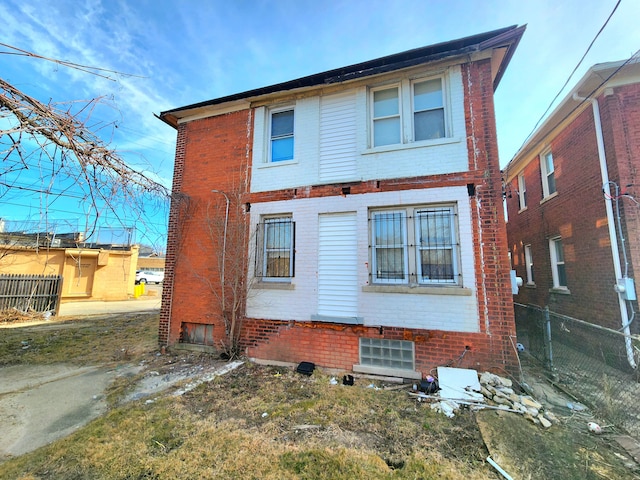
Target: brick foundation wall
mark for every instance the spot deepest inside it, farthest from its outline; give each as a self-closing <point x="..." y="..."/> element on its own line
<point x="337" y="346"/>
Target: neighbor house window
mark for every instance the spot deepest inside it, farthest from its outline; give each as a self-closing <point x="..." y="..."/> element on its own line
<point x="414" y="245"/>
<point x="522" y="192"/>
<point x="428" y="110"/>
<point x="281" y="134"/>
<point x="547" y="171"/>
<point x="275" y="248"/>
<point x="528" y="261"/>
<point x="558" y="271"/>
<point x="386" y="116"/>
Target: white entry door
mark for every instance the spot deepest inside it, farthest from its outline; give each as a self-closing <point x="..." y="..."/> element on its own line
<point x="337" y="266"/>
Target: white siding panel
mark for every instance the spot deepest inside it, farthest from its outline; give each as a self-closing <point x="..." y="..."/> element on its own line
<point x="337" y="265"/>
<point x="338" y="144"/>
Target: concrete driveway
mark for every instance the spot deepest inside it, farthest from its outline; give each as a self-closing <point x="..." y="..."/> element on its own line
<point x="39" y="404"/>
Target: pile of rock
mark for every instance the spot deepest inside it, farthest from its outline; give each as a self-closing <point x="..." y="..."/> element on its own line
<point x="499" y="391"/>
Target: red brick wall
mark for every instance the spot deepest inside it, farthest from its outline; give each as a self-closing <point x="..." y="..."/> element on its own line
<point x="493" y="282"/>
<point x="216" y="151"/>
<point x="620" y="112"/>
<point x="337" y="346"/>
<point x="211" y="153"/>
<point x="578" y="214"/>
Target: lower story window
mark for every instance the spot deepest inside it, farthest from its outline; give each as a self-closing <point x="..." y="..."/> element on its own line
<point x="415" y="244"/>
<point x="377" y="352"/>
<point x="275" y="248"/>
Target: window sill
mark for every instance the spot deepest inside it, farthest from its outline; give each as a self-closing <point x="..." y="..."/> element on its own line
<point x="419" y="289"/>
<point x="530" y="285"/>
<point x="336" y="319"/>
<point x="560" y="290"/>
<point x="387" y="372"/>
<point x="523" y="210"/>
<point x="548" y="197"/>
<point x="273" y="286"/>
<point x="407" y="146"/>
<point x="276" y="164"/>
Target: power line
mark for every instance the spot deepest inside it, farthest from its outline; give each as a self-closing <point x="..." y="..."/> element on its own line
<point x="589" y="95"/>
<point x="570" y="75"/>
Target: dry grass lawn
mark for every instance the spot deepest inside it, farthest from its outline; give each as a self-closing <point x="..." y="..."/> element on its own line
<point x="271" y="423"/>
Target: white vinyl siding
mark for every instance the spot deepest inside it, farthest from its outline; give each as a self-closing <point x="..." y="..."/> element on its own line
<point x="337" y="265"/>
<point x="338" y="138"/>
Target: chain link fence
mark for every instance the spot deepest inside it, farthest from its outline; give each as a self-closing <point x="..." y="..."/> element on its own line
<point x="596" y="365"/>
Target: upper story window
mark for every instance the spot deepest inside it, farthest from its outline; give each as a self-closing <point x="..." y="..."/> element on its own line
<point x="408" y="112"/>
<point x="528" y="261"/>
<point x="386" y="117"/>
<point x="415" y="245"/>
<point x="275" y="248"/>
<point x="281" y="135"/>
<point x="522" y="192"/>
<point x="558" y="271"/>
<point x="428" y="110"/>
<point x="547" y="171"/>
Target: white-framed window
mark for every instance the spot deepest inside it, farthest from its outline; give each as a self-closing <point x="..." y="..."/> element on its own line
<point x="415" y="245"/>
<point x="387" y="128"/>
<point x="409" y="111"/>
<point x="547" y="171"/>
<point x="522" y="192"/>
<point x="428" y="110"/>
<point x="558" y="271"/>
<point x="275" y="242"/>
<point x="528" y="262"/>
<point x="281" y="124"/>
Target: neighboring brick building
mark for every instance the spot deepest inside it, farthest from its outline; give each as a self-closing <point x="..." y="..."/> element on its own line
<point x="565" y="189"/>
<point x="356" y="215"/>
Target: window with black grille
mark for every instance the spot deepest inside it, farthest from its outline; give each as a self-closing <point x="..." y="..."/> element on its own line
<point x="414" y="245"/>
<point x="275" y="248"/>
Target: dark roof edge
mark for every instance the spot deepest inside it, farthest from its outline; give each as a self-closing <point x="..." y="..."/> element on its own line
<point x="509" y="36"/>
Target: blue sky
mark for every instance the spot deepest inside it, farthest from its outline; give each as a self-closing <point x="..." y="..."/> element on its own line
<point x="182" y="52"/>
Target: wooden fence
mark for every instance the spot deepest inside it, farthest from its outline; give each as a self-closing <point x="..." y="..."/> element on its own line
<point x="30" y="293"/>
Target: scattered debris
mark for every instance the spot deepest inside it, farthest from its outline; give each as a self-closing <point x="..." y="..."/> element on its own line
<point x="464" y="387"/>
<point x="306" y="368"/>
<point x="576" y="407"/>
<point x="498" y="468"/>
<point x="333" y="381"/>
<point x="347" y="380"/>
<point x="594" y="428"/>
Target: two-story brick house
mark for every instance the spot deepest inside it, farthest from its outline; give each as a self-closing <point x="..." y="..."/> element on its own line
<point x="573" y="199"/>
<point x="367" y="207"/>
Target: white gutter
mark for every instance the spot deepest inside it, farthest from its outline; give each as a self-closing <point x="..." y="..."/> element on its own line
<point x="611" y="224"/>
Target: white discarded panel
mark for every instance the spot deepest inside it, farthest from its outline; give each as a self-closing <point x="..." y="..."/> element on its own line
<point x="459" y="384"/>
